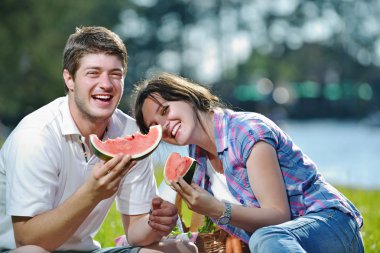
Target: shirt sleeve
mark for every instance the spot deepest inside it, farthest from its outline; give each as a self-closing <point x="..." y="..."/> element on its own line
<point x="252" y="133"/>
<point x="32" y="172"/>
<point x="137" y="189"/>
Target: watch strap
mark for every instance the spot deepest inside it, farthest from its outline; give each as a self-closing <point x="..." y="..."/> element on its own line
<point x="225" y="218"/>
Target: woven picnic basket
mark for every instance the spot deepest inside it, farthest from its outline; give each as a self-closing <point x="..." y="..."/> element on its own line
<point x="214" y="242"/>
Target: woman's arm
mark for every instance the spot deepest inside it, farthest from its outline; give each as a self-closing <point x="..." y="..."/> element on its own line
<point x="267" y="184"/>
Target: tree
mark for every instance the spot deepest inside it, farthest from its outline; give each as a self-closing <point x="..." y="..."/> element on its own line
<point x="33" y="35"/>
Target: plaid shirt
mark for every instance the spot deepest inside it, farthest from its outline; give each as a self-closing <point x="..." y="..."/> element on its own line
<point x="235" y="135"/>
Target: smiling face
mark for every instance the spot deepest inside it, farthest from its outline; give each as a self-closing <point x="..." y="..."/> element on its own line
<point x="177" y="119"/>
<point x="96" y="89"/>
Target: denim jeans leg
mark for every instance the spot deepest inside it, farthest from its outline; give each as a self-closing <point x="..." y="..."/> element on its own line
<point x="326" y="231"/>
<point x="274" y="239"/>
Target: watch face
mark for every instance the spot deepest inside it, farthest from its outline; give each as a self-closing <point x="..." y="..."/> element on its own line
<point x="224" y="220"/>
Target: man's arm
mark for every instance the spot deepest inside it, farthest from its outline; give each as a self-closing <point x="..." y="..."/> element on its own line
<point x="52" y="228"/>
<point x="145" y="229"/>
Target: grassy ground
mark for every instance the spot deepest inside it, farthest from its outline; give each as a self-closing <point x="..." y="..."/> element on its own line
<point x="365" y="200"/>
<point x="368" y="204"/>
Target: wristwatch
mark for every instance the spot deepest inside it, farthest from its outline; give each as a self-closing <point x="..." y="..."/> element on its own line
<point x="225" y="218"/>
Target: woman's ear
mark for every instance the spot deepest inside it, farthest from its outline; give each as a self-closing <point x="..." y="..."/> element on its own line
<point x="69" y="80"/>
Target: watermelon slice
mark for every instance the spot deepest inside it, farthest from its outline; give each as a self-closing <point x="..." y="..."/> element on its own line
<point x="177" y="166"/>
<point x="137" y="145"/>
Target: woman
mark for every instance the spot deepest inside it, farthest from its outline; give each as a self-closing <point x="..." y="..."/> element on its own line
<point x="252" y="180"/>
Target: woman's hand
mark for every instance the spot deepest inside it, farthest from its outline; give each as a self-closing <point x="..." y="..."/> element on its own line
<point x="198" y="199"/>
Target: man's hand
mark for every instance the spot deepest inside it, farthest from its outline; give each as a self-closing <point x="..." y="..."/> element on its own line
<point x="163" y="216"/>
<point x="65" y="219"/>
<point x="106" y="176"/>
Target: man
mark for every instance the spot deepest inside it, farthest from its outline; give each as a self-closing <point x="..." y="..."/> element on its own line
<point x="57" y="192"/>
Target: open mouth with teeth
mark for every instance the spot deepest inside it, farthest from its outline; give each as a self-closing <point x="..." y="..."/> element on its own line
<point x="175" y="130"/>
<point x="103" y="98"/>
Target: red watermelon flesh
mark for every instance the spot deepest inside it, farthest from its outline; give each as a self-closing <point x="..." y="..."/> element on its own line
<point x="137" y="145"/>
<point x="177" y="166"/>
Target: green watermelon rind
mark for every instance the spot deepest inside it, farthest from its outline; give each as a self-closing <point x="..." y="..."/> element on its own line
<point x="188" y="177"/>
<point x="104" y="155"/>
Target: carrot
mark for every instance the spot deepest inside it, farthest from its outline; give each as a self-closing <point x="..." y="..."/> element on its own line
<point x="236" y="245"/>
<point x="228" y="245"/>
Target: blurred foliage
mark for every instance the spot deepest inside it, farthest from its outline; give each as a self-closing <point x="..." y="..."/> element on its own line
<point x="33" y="35"/>
<point x="197" y="39"/>
<point x="312" y="63"/>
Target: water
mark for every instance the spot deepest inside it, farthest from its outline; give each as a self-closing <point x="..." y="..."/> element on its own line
<point x="346" y="153"/>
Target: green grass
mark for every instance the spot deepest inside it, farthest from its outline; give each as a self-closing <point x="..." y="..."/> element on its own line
<point x="367" y="201"/>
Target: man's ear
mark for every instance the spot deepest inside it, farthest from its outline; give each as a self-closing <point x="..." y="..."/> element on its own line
<point x="69" y="80"/>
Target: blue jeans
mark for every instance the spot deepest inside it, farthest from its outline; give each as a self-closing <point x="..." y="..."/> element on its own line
<point x="326" y="231"/>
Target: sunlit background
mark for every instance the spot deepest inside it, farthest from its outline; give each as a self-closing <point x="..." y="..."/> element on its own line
<point x="311" y="66"/>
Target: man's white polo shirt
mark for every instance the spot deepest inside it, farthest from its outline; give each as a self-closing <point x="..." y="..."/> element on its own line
<point x="44" y="163"/>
